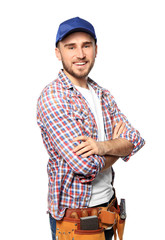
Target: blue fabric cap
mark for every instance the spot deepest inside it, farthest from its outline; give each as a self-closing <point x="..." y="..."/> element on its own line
<point x="74" y="25"/>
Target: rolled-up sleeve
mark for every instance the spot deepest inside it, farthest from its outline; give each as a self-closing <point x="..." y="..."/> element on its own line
<point x="131" y="134"/>
<point x="60" y="128"/>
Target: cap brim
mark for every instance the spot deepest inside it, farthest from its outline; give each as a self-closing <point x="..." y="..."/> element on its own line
<point x="77" y="30"/>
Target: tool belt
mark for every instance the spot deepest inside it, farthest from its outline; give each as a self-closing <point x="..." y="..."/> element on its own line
<point x="90" y="223"/>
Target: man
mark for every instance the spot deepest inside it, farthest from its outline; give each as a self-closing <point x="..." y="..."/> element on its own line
<point x="82" y="128"/>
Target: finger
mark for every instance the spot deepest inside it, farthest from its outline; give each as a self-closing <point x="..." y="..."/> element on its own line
<point x="121" y="129"/>
<point x="80" y="146"/>
<point x="125" y="129"/>
<point x="80" y="138"/>
<point x="87" y="154"/>
<point x="113" y="124"/>
<point x="84" y="150"/>
<point x="116" y="129"/>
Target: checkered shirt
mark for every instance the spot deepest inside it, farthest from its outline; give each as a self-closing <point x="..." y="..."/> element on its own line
<point x="62" y="114"/>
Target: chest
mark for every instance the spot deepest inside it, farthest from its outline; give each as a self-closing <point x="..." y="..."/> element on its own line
<point x="80" y="110"/>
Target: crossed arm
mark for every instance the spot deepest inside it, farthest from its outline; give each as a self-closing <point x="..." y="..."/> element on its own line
<point x="111" y="149"/>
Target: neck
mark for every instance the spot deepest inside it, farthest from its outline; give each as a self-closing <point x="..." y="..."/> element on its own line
<point x="80" y="82"/>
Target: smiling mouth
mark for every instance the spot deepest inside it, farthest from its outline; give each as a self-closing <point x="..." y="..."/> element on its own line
<point x="80" y="63"/>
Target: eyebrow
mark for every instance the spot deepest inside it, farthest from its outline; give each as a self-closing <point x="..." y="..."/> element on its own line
<point x="72" y="44"/>
<point x="69" y="44"/>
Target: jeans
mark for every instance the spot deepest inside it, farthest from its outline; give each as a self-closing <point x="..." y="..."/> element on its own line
<point x="108" y="233"/>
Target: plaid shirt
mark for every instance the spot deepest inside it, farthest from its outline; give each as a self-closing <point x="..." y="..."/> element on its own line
<point x="62" y="114"/>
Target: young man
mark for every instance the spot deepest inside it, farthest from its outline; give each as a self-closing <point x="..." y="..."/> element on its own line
<point x="82" y="128"/>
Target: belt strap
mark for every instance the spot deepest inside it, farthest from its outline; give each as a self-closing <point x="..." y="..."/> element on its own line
<point x="107" y="217"/>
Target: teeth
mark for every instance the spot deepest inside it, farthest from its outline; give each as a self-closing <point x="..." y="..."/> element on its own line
<point x="80" y="63"/>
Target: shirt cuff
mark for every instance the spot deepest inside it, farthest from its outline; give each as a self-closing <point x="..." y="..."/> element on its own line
<point x="99" y="163"/>
<point x="135" y="138"/>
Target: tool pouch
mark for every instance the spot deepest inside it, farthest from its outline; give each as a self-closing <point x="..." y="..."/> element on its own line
<point x="120" y="224"/>
<point x="119" y="228"/>
<point x="68" y="229"/>
<point x="89" y="234"/>
<point x="110" y="216"/>
<point x="65" y="229"/>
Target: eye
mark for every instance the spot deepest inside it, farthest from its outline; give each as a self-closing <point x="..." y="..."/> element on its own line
<point x="71" y="48"/>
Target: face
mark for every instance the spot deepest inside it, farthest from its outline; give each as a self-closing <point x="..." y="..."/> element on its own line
<point x="77" y="53"/>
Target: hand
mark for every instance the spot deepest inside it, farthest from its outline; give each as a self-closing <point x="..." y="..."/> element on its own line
<point x="119" y="129"/>
<point x="89" y="146"/>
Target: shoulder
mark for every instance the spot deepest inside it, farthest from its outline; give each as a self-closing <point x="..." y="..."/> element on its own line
<point x="53" y="94"/>
<point x="52" y="88"/>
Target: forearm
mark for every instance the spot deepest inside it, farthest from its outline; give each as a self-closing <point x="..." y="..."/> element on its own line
<point x="114" y="149"/>
<point x="117" y="147"/>
<point x="109" y="161"/>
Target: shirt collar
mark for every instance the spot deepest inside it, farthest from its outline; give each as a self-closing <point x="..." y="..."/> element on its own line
<point x="98" y="89"/>
<point x="67" y="84"/>
<point x="65" y="81"/>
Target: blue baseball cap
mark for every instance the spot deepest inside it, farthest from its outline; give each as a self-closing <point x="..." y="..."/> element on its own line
<point x="74" y="25"/>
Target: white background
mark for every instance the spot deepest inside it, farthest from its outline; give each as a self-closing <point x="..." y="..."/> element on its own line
<point x="130" y="63"/>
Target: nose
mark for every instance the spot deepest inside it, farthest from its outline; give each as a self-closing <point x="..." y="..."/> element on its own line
<point x="80" y="53"/>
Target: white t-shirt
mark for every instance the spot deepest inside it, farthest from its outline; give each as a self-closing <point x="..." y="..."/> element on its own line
<point x="102" y="190"/>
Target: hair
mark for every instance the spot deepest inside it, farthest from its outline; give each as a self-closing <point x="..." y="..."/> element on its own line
<point x="58" y="45"/>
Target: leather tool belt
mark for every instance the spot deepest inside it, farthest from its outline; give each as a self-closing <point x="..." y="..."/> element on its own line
<point x="90" y="223"/>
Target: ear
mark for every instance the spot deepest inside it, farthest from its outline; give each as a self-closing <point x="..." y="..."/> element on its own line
<point x="95" y="51"/>
<point x="58" y="54"/>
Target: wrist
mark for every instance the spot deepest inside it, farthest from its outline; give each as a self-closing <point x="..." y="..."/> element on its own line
<point x="103" y="148"/>
<point x="107" y="145"/>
